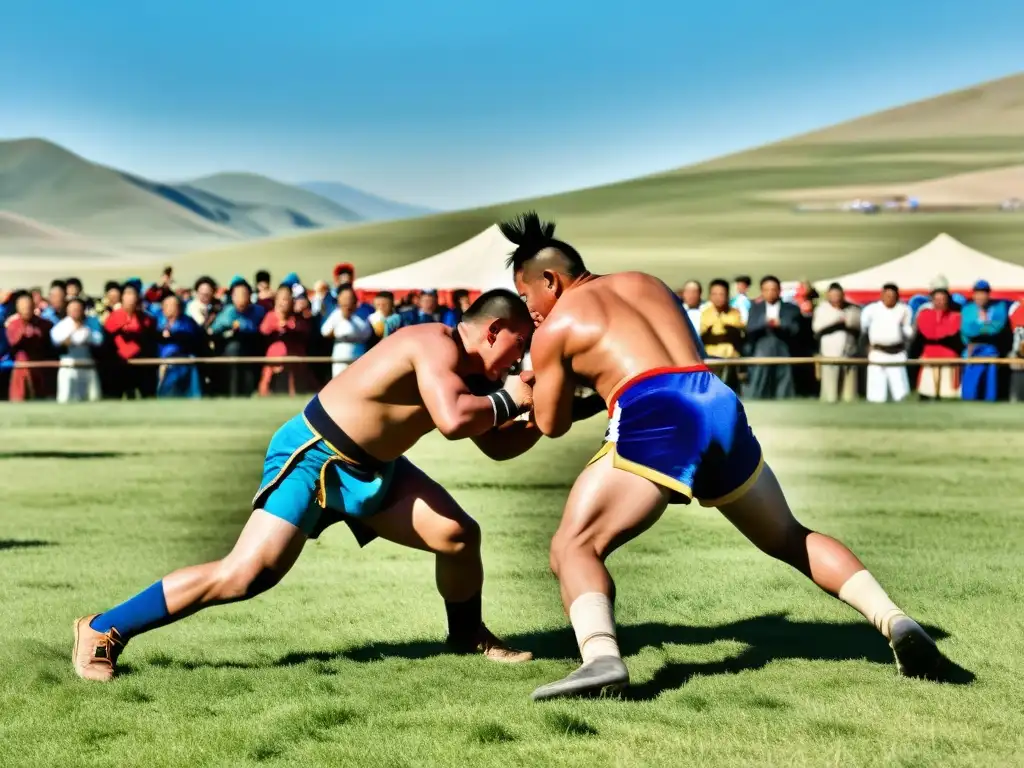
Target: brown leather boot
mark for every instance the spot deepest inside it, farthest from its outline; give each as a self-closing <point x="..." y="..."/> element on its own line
<point x="95" y="654"/>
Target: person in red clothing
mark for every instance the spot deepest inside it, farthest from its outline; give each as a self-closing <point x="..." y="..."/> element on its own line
<point x="133" y="332"/>
<point x="287" y="335"/>
<point x="938" y="329"/>
<point x="29" y="338"/>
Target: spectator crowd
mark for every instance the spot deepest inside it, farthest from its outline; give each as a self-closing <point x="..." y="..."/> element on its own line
<point x="95" y="340"/>
<point x="82" y="347"/>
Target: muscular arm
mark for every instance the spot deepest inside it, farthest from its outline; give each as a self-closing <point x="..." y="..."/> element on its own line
<point x="508" y="442"/>
<point x="456" y="412"/>
<point x="554" y="388"/>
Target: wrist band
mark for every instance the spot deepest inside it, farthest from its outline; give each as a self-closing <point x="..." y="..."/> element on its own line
<point x="504" y="406"/>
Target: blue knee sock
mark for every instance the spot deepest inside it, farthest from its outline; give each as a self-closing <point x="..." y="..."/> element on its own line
<point x="146" y="610"/>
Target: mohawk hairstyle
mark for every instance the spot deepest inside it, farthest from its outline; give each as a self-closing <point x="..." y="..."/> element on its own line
<point x="531" y="236"/>
<point x="500" y="305"/>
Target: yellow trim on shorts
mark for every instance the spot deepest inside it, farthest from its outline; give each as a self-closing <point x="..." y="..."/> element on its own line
<point x="740" y="492"/>
<point x="326" y="442"/>
<point x="656" y="477"/>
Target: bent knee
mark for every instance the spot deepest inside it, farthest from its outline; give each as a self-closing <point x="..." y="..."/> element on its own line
<point x="458" y="537"/>
<point x="241" y="581"/>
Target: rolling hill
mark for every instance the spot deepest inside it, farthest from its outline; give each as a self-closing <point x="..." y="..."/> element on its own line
<point x="369" y="207"/>
<point x="724" y="216"/>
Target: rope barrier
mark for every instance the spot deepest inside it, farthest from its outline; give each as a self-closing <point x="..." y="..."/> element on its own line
<point x="710" y="362"/>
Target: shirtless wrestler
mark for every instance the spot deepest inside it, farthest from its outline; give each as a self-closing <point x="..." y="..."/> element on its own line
<point x="676" y="433"/>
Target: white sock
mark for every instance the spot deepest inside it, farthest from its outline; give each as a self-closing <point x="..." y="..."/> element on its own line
<point x="594" y="624"/>
<point x="862" y="592"/>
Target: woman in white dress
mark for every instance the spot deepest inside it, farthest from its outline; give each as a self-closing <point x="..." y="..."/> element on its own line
<point x="75" y="336"/>
<point x="349" y="331"/>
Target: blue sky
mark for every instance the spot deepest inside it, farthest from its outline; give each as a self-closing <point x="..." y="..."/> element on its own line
<point x="452" y="104"/>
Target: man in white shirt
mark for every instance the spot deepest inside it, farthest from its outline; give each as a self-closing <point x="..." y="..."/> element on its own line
<point x="76" y="336"/>
<point x="691" y="296"/>
<point x="349" y="331"/>
<point x="889" y="328"/>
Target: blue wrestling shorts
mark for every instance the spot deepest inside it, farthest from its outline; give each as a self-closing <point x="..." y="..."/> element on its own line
<point x="685" y="430"/>
<point x="314" y="475"/>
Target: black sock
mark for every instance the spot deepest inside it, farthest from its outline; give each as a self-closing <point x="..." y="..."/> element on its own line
<point x="464" y="620"/>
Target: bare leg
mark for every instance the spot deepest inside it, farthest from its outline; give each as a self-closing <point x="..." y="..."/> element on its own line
<point x="764" y="517"/>
<point x="420" y="514"/>
<point x="266" y="549"/>
<point x="606" y="508"/>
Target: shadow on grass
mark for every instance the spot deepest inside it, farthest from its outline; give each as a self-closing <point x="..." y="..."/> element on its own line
<point x="64" y="454"/>
<point x="768" y="638"/>
<point x="6" y="544"/>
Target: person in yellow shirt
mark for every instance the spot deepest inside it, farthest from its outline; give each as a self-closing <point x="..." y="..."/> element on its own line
<point x="722" y="330"/>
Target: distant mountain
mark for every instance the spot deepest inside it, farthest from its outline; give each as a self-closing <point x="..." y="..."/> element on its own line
<point x="369" y="207"/>
<point x="50" y="186"/>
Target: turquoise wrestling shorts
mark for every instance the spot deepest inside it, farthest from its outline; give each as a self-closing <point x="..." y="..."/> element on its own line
<point x="685" y="430"/>
<point x="314" y="475"/>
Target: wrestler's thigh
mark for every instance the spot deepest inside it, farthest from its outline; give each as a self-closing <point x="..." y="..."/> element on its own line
<point x="762" y="514"/>
<point x="417" y="512"/>
<point x="608" y="507"/>
<point x="267" y="541"/>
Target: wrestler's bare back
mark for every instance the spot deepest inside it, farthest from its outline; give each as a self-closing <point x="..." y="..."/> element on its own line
<point x="612" y="327"/>
<point x="377" y="400"/>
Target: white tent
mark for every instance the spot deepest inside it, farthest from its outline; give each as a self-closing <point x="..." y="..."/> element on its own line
<point x="945" y="256"/>
<point x="477" y="264"/>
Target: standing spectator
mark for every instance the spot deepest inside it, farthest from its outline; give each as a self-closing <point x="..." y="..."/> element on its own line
<point x="320" y="294"/>
<point x="1017" y="351"/>
<point x="771" y="328"/>
<point x="384" y="319"/>
<point x="740" y="300"/>
<point x="178" y="336"/>
<point x="691" y="295"/>
<point x="56" y="302"/>
<point x="76" y="336"/>
<point x="349" y="331"/>
<point x="29" y="339"/>
<point x="238" y="329"/>
<point x="133" y="333"/>
<point x="5" y="347"/>
<point x="264" y="293"/>
<point x="938" y="334"/>
<point x="452" y="316"/>
<point x="287" y="335"/>
<point x="425" y="311"/>
<point x="111" y="300"/>
<point x="889" y="329"/>
<point x="721" y="330"/>
<point x="984" y="329"/>
<point x="836" y="326"/>
<point x="205" y="306"/>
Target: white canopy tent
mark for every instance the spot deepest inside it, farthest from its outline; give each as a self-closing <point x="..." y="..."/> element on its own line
<point x="477" y="265"/>
<point x="961" y="266"/>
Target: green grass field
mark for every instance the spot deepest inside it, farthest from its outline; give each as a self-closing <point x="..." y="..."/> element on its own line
<point x="736" y="660"/>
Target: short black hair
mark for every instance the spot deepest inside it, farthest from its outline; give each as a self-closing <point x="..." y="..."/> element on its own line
<point x="499" y="304"/>
<point x="890" y="287"/>
<point x="743" y="279"/>
<point x="263" y="276"/>
<point x="385" y="295"/>
<point x="73" y="281"/>
<point x="771" y="279"/>
<point x="346" y="288"/>
<point x="835" y="287"/>
<point x="59" y="284"/>
<point x="205" y="280"/>
<point x="458" y="293"/>
<point x="110" y="285"/>
<point x="720" y="282"/>
<point x="531" y="236"/>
